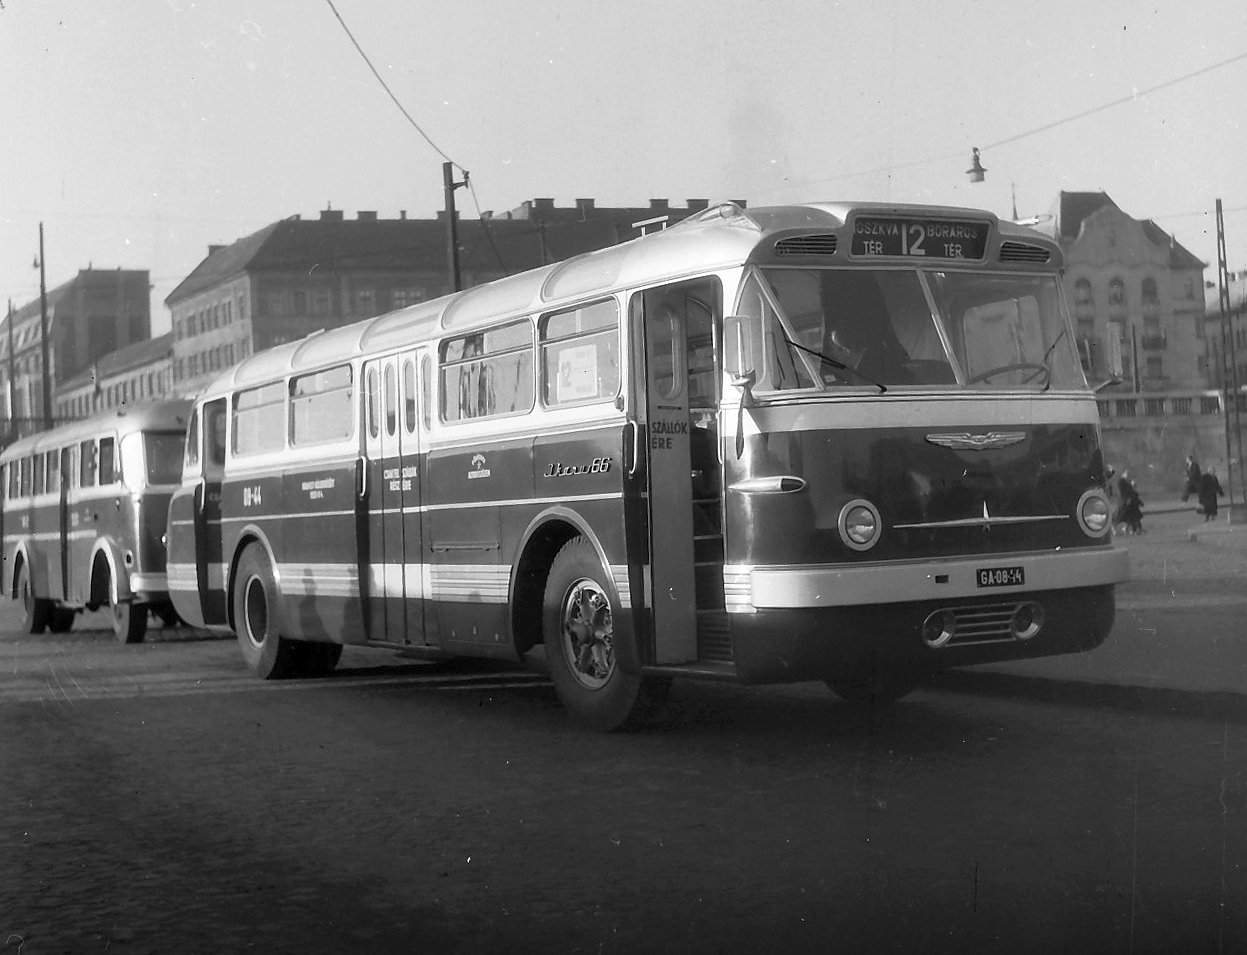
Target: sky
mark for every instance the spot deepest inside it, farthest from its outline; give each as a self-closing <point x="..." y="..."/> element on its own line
<point x="139" y="132"/>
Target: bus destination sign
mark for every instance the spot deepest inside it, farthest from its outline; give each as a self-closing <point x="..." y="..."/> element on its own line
<point x="919" y="238"/>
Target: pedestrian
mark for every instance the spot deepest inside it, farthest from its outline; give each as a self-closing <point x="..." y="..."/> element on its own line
<point x="1209" y="490"/>
<point x="1131" y="505"/>
<point x="1192" y="478"/>
<point x="1113" y="489"/>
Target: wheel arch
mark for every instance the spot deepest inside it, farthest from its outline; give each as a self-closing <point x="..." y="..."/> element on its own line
<point x="21" y="558"/>
<point x="542" y="539"/>
<point x="250" y="534"/>
<point x="107" y="585"/>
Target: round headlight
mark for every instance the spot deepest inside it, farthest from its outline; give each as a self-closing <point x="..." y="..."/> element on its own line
<point x="860" y="525"/>
<point x="1094" y="513"/>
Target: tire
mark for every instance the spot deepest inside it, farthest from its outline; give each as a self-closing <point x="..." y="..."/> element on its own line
<point x="579" y="636"/>
<point x="61" y="620"/>
<point x="35" y="610"/>
<point x="129" y="621"/>
<point x="874" y="690"/>
<point x="257" y="614"/>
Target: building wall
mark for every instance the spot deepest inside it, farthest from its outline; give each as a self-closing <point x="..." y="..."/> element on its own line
<point x="211" y="331"/>
<point x="1127" y="298"/>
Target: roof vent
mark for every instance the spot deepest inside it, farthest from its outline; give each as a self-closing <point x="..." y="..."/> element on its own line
<point x="1023" y="252"/>
<point x="807" y="245"/>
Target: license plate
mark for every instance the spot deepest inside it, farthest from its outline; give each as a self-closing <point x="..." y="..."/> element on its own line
<point x="1001" y="576"/>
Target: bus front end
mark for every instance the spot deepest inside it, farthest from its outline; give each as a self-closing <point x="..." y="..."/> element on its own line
<point x="913" y="474"/>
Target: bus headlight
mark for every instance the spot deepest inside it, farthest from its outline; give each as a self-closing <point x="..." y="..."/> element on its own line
<point x="1093" y="513"/>
<point x="860" y="525"/>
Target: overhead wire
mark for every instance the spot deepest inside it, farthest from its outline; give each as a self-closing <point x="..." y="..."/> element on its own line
<point x="385" y="86"/>
<point x="1008" y="140"/>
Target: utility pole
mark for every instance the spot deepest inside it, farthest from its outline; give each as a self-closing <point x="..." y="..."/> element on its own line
<point x="12" y="433"/>
<point x="43" y="337"/>
<point x="1229" y="375"/>
<point x="452" y="226"/>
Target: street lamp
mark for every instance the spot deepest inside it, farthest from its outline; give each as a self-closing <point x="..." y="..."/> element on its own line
<point x="976" y="172"/>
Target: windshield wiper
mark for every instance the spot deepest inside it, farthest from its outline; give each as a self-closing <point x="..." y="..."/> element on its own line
<point x="839" y="365"/>
<point x="1048" y="354"/>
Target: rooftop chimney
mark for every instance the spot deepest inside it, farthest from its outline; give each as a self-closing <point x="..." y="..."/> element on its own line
<point x="696" y="205"/>
<point x="659" y="205"/>
<point x="331" y="215"/>
<point x="214" y="249"/>
<point x="585" y="206"/>
<point x="366" y="215"/>
<point x="543" y="203"/>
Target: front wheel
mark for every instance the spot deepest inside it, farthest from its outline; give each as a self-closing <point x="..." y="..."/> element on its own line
<point x="874" y="690"/>
<point x="256" y="613"/>
<point x="129" y="621"/>
<point x="578" y="628"/>
<point x="35" y="610"/>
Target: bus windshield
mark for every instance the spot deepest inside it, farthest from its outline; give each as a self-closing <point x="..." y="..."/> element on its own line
<point x="162" y="454"/>
<point x="884" y="328"/>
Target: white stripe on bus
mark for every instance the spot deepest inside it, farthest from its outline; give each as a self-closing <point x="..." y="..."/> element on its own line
<point x="489" y="583"/>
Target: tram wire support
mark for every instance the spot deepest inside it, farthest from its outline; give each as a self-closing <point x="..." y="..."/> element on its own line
<point x="452" y="226"/>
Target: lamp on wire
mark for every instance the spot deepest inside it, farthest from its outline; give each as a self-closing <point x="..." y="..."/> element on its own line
<point x="976" y="172"/>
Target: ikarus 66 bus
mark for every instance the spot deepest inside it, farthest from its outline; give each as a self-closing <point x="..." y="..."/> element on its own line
<point x="84" y="517"/>
<point x="849" y="443"/>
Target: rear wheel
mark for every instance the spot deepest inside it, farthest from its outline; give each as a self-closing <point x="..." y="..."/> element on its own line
<point x="35" y="610"/>
<point x="874" y="690"/>
<point x="129" y="621"/>
<point x="581" y="643"/>
<point x="256" y="619"/>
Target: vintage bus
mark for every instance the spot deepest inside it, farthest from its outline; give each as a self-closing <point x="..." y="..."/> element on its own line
<point x="84" y="517"/>
<point x="840" y="442"/>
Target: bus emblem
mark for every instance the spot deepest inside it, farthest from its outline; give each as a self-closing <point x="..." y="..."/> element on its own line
<point x="478" y="467"/>
<point x="965" y="441"/>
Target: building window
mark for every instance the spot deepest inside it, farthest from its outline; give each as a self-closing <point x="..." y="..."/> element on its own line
<point x="1126" y="407"/>
<point x="402" y="297"/>
<point x="1155" y="367"/>
<point x="364" y="302"/>
<point x="1149" y="291"/>
<point x="321" y="301"/>
<point x="1117" y="292"/>
<point x="192" y="325"/>
<point x="300" y="302"/>
<point x="1154" y="407"/>
<point x="1181" y="405"/>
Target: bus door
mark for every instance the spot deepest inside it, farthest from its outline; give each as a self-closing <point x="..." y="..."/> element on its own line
<point x="64" y="471"/>
<point x="210" y="568"/>
<point x="390" y="554"/>
<point x="666" y="324"/>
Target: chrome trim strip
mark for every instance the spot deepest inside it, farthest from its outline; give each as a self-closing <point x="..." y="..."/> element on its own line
<point x="879" y="582"/>
<point x="984" y="521"/>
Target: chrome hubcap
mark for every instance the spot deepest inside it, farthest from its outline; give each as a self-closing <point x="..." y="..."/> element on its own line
<point x="588" y="634"/>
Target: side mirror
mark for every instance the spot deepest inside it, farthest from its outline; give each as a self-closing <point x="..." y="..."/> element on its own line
<point x="736" y="358"/>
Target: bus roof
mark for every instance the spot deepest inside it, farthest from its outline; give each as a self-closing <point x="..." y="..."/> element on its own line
<point x="719" y="237"/>
<point x="168" y="415"/>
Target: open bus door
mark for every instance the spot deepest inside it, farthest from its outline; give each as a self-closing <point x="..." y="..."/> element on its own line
<point x="390" y="569"/>
<point x="669" y="325"/>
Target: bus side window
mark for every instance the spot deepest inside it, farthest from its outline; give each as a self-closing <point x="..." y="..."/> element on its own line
<point x="52" y="472"/>
<point x="426" y="391"/>
<point x="108" y="461"/>
<point x="86" y="464"/>
<point x="38" y="474"/>
<point x="409" y="396"/>
<point x="192" y="442"/>
<point x="214" y="431"/>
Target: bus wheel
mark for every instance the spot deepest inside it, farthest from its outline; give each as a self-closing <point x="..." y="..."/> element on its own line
<point x="579" y="635"/>
<point x="35" y="610"/>
<point x="270" y="655"/>
<point x="61" y="620"/>
<point x="129" y="621"/>
<point x="874" y="690"/>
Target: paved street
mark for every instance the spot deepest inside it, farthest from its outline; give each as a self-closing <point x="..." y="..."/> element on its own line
<point x="156" y="799"/>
